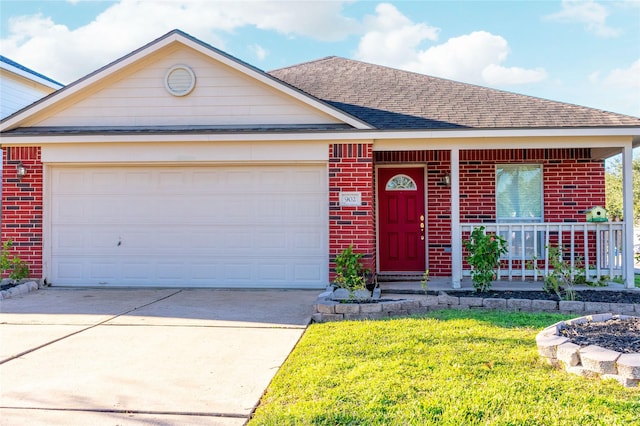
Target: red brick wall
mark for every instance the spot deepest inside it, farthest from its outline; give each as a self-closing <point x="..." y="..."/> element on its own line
<point x="351" y="170"/>
<point x="22" y="206"/>
<point x="572" y="183"/>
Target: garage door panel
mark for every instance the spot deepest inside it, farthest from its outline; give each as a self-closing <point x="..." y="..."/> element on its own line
<point x="307" y="241"/>
<point x="271" y="240"/>
<point x="68" y="271"/>
<point x="309" y="272"/>
<point x="204" y="181"/>
<point x="196" y="226"/>
<point x="103" y="271"/>
<point x="273" y="273"/>
<point x="307" y="209"/>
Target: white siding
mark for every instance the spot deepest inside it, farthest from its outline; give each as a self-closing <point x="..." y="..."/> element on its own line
<point x="17" y="93"/>
<point x="221" y="96"/>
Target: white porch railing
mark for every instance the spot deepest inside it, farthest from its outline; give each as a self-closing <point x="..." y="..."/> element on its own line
<point x="594" y="246"/>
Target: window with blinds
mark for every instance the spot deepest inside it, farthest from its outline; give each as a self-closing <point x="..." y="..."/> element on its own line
<point x="519" y="200"/>
<point x="519" y="192"/>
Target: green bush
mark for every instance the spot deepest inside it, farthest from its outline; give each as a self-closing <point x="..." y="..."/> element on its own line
<point x="484" y="257"/>
<point x="18" y="269"/>
<point x="350" y="273"/>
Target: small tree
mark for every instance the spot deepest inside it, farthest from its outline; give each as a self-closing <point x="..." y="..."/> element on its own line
<point x="484" y="257"/>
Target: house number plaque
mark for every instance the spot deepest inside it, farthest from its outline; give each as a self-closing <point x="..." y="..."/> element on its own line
<point x="350" y="199"/>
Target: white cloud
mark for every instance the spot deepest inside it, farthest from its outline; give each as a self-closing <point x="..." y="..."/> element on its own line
<point x="593" y="15"/>
<point x="391" y="37"/>
<point x="625" y="78"/>
<point x="394" y="40"/>
<point x="616" y="90"/>
<point x="65" y="55"/>
<point x="259" y="51"/>
<point x="497" y="75"/>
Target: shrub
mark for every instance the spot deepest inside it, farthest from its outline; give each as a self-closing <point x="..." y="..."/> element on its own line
<point x="19" y="269"/>
<point x="561" y="277"/>
<point x="350" y="273"/>
<point x="484" y="257"/>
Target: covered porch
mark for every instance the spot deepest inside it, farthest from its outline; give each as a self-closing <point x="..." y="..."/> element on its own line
<point x="461" y="181"/>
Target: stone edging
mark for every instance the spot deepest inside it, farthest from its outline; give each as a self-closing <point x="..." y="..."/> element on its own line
<point x="23" y="288"/>
<point x="326" y="309"/>
<point x="589" y="361"/>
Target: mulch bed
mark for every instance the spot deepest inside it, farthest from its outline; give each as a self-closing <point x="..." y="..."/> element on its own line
<point x="606" y="296"/>
<point x="621" y="335"/>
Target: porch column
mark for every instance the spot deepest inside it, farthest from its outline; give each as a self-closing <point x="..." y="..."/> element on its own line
<point x="627" y="211"/>
<point x="456" y="234"/>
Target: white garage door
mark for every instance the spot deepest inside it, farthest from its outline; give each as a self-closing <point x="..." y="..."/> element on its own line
<point x="260" y="226"/>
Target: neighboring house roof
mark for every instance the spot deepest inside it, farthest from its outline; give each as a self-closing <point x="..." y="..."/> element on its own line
<point x="21" y="86"/>
<point x="392" y="99"/>
<point x="10" y="65"/>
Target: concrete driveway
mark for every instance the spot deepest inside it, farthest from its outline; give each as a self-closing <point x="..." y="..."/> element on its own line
<point x="134" y="356"/>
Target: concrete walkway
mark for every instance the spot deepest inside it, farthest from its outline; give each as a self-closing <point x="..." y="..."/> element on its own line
<point x="132" y="356"/>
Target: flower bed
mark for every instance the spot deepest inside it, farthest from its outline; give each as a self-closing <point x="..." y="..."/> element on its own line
<point x="592" y="360"/>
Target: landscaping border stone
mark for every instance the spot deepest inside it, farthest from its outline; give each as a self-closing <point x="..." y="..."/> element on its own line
<point x="326" y="309"/>
<point x="589" y="361"/>
<point x="22" y="288"/>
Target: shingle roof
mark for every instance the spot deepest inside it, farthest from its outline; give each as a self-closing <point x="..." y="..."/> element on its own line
<point x="389" y="98"/>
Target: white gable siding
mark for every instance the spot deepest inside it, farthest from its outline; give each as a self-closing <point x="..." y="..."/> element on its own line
<point x="17" y="93"/>
<point x="221" y="96"/>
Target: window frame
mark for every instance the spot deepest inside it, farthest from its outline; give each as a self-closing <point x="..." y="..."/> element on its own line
<point x="514" y="243"/>
<point x="401" y="175"/>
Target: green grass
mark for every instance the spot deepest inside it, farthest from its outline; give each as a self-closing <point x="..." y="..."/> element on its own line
<point x="448" y="368"/>
<point x="636" y="279"/>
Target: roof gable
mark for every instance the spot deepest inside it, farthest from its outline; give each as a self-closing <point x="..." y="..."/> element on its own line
<point x="389" y="99"/>
<point x="131" y="92"/>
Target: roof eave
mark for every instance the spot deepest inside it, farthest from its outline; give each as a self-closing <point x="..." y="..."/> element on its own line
<point x="212" y="135"/>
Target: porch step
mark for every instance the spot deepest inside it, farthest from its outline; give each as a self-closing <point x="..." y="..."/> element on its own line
<point x="387" y="278"/>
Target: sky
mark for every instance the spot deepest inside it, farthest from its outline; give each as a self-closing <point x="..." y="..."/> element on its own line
<point x="584" y="52"/>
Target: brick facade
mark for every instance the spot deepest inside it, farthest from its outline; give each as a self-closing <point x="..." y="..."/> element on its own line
<point x="572" y="183"/>
<point x="22" y="206"/>
<point x="351" y="170"/>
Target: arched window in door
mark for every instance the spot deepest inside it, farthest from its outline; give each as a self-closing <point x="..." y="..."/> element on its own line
<point x="401" y="183"/>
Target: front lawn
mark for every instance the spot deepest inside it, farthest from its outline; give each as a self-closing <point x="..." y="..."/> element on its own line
<point x="636" y="279"/>
<point x="448" y="368"/>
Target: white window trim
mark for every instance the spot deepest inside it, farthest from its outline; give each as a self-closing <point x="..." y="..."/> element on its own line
<point x="520" y="219"/>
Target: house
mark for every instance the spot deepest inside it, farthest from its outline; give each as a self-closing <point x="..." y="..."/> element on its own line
<point x="180" y="165"/>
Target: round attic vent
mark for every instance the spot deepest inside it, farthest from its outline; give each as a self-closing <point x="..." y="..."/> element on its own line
<point x="180" y="80"/>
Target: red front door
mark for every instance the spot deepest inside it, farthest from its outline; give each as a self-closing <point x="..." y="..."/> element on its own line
<point x="401" y="220"/>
